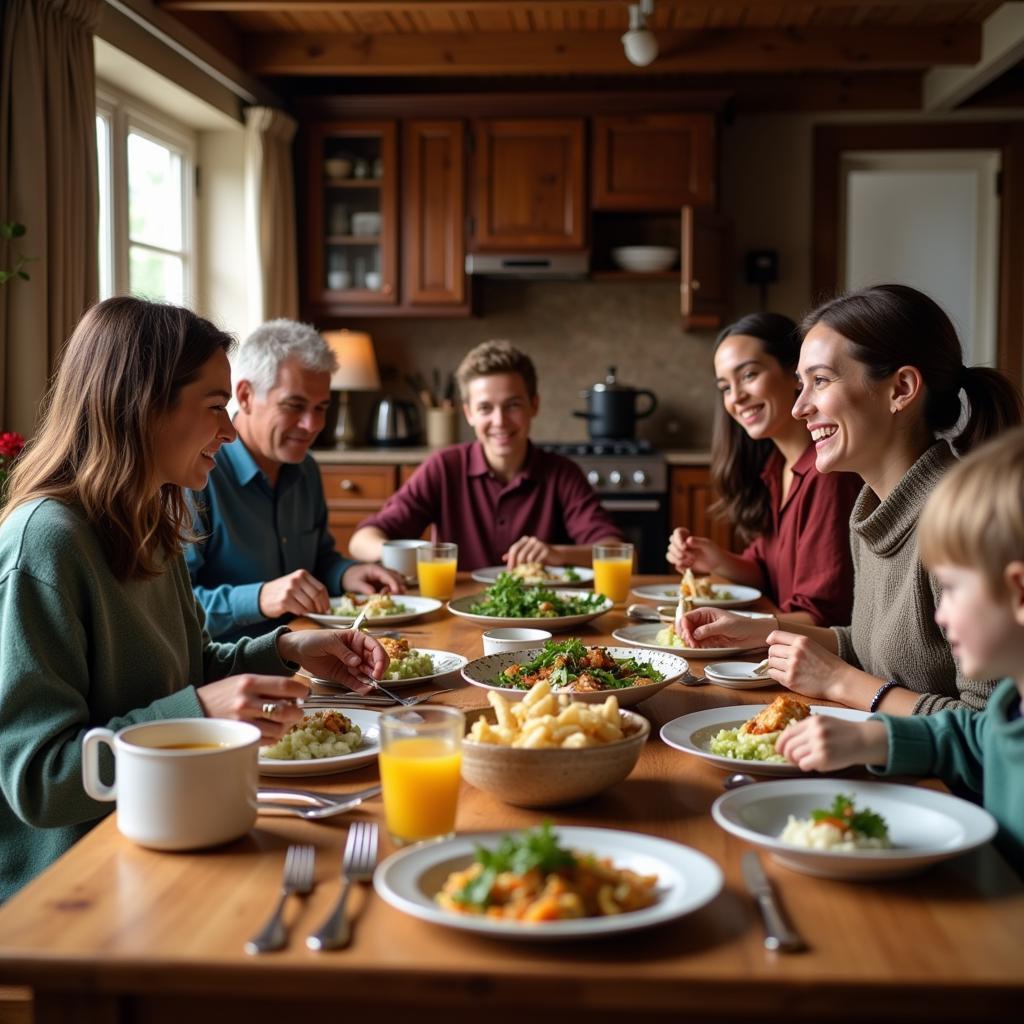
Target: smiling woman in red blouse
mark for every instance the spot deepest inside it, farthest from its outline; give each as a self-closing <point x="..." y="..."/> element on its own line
<point x="795" y="520"/>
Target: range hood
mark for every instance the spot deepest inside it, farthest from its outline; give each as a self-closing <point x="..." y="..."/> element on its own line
<point x="565" y="265"/>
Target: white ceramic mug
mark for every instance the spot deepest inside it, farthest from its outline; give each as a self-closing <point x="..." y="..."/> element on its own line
<point x="181" y="783"/>
<point x="400" y="556"/>
<point x="513" y="638"/>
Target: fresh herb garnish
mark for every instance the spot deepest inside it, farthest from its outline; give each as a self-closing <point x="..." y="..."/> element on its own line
<point x="537" y="848"/>
<point x="570" y="574"/>
<point x="844" y="816"/>
<point x="510" y="598"/>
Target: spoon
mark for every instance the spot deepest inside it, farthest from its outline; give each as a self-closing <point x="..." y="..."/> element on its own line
<point x="737" y="780"/>
<point x="642" y="613"/>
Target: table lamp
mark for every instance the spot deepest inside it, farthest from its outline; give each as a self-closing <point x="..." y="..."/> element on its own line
<point x="357" y="371"/>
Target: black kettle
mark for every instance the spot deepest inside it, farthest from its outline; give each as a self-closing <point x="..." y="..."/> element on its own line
<point x="612" y="408"/>
<point x="394" y="423"/>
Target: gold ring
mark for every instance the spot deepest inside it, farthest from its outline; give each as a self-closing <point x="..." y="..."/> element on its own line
<point x="270" y="709"/>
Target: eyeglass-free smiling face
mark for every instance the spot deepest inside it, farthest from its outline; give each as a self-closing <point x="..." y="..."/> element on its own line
<point x="189" y="435"/>
<point x="500" y="410"/>
<point x="756" y="391"/>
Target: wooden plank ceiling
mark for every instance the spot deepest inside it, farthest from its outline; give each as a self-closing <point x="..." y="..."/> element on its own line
<point x="894" y="41"/>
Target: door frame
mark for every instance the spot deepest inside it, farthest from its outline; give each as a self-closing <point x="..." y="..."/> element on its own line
<point x="832" y="141"/>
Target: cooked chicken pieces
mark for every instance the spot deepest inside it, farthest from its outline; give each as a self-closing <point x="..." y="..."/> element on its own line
<point x="776" y="716"/>
<point x="396" y="648"/>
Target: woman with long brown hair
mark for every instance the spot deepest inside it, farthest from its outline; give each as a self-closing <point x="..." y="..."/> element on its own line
<point x="794" y="520"/>
<point x="881" y="374"/>
<point x="100" y="623"/>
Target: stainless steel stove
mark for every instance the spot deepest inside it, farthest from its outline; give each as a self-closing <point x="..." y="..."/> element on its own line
<point x="631" y="479"/>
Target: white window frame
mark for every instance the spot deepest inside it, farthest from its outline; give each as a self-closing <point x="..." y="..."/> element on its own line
<point x="125" y="114"/>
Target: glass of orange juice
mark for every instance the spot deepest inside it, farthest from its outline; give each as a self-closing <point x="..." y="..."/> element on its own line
<point x="435" y="569"/>
<point x="613" y="569"/>
<point x="420" y="759"/>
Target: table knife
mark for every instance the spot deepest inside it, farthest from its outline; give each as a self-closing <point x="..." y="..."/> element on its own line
<point x="777" y="933"/>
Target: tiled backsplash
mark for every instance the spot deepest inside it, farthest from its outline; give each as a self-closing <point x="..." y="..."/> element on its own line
<point x="573" y="331"/>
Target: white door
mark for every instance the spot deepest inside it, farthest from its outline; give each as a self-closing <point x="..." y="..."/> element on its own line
<point x="929" y="219"/>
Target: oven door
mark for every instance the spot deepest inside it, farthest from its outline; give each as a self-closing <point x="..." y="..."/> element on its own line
<point x="644" y="523"/>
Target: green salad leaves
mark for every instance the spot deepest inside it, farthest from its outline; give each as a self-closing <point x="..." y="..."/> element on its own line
<point x="562" y="662"/>
<point x="844" y="816"/>
<point x="509" y="598"/>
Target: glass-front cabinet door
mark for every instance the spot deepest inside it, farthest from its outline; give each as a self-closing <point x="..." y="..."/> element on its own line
<point x="352" y="248"/>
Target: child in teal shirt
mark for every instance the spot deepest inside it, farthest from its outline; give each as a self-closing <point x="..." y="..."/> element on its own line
<point x="971" y="537"/>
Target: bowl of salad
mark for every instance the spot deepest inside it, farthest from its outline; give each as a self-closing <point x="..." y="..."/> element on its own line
<point x="588" y="674"/>
<point x="511" y="602"/>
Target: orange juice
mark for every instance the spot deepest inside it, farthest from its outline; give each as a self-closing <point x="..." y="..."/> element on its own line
<point x="420" y="776"/>
<point x="437" y="579"/>
<point x="612" y="576"/>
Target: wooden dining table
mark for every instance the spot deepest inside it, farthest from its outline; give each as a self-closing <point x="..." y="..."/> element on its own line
<point x="113" y="932"/>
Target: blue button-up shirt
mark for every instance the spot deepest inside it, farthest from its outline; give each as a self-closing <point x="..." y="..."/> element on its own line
<point x="251" y="532"/>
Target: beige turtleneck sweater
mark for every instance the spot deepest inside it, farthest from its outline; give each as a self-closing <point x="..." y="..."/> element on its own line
<point x="893" y="634"/>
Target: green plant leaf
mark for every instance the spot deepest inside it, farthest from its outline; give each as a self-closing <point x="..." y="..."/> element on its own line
<point x="23" y="275"/>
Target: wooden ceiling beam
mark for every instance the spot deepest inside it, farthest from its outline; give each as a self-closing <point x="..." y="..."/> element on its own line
<point x="718" y="51"/>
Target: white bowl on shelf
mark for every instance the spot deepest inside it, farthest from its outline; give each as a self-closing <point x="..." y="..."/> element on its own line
<point x="366" y="223"/>
<point x="645" y="259"/>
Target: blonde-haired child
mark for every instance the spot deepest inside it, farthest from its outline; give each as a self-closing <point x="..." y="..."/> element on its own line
<point x="971" y="536"/>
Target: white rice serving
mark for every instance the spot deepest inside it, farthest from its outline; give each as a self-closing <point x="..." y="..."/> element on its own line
<point x="744" y="746"/>
<point x="820" y="835"/>
<point x="312" y="740"/>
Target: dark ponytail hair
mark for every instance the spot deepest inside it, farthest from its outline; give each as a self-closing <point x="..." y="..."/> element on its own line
<point x="894" y="325"/>
<point x="736" y="459"/>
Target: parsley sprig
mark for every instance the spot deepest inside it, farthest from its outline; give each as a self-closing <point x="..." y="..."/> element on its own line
<point x="844" y="815"/>
<point x="538" y="848"/>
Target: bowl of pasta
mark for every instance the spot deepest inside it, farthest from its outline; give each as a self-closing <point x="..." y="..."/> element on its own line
<point x="548" y="750"/>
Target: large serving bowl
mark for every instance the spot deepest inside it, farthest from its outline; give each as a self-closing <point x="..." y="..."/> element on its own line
<point x="484" y="671"/>
<point x="555" y="776"/>
<point x="644" y="259"/>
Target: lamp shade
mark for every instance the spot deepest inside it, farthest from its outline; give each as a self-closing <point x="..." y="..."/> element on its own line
<point x="357" y="364"/>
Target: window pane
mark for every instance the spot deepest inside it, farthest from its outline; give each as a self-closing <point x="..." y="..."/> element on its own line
<point x="105" y="252"/>
<point x="155" y="275"/>
<point x="154" y="193"/>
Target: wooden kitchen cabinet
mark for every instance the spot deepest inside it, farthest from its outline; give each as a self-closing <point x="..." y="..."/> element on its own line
<point x="352" y="223"/>
<point x="653" y="162"/>
<point x="434" y="213"/>
<point x="352" y="492"/>
<point x="706" y="268"/>
<point x="691" y="497"/>
<point x="529" y="186"/>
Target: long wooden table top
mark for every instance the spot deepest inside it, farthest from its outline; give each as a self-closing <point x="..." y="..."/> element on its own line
<point x="126" y="933"/>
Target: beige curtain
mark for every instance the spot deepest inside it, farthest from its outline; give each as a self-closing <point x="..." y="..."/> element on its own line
<point x="270" y="215"/>
<point x="47" y="183"/>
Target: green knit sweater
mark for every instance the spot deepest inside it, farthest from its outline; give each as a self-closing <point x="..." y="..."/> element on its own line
<point x="79" y="649"/>
<point x="893" y="634"/>
<point x="984" y="752"/>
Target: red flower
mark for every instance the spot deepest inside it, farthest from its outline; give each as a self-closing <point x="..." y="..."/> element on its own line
<point x="11" y="444"/>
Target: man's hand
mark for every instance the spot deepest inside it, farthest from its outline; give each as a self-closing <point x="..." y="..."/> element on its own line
<point x="530" y="549"/>
<point x="297" y="593"/>
<point x="367" y="578"/>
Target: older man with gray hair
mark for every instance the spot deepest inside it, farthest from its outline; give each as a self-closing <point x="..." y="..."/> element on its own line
<point x="264" y="551"/>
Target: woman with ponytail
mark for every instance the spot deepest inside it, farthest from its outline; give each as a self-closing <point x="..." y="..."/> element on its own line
<point x="881" y="374"/>
<point x="793" y="519"/>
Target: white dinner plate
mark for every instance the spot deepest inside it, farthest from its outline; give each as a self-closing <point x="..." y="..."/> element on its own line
<point x="483" y="671"/>
<point x="924" y="825"/>
<point x="646" y="636"/>
<point x="417" y="608"/>
<point x="363" y="754"/>
<point x="693" y="733"/>
<point x="687" y="880"/>
<point x="445" y="662"/>
<point x="737" y="675"/>
<point x="586" y="576"/>
<point x="460" y="607"/>
<point x="738" y="596"/>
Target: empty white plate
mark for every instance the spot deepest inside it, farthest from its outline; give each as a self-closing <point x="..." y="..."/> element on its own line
<point x="737" y="675"/>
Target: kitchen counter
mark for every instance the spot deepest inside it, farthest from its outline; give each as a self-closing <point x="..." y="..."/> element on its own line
<point x="414" y="456"/>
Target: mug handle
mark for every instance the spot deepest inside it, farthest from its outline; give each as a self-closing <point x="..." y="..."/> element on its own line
<point x="94" y="786"/>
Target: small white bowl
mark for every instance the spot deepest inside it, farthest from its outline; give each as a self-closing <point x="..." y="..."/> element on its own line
<point x="510" y="638"/>
<point x="365" y="224"/>
<point x="644" y="258"/>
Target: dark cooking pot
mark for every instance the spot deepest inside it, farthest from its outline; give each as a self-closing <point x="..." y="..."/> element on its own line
<point x="612" y="408"/>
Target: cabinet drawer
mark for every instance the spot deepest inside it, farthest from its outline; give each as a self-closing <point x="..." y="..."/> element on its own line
<point x="358" y="486"/>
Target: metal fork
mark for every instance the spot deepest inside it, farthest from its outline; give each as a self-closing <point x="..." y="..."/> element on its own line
<point x="298" y="879"/>
<point x="324" y="701"/>
<point x="356" y="866"/>
<point x="323" y="810"/>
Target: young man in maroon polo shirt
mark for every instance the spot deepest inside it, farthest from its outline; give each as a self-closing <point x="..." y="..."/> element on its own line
<point x="501" y="499"/>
